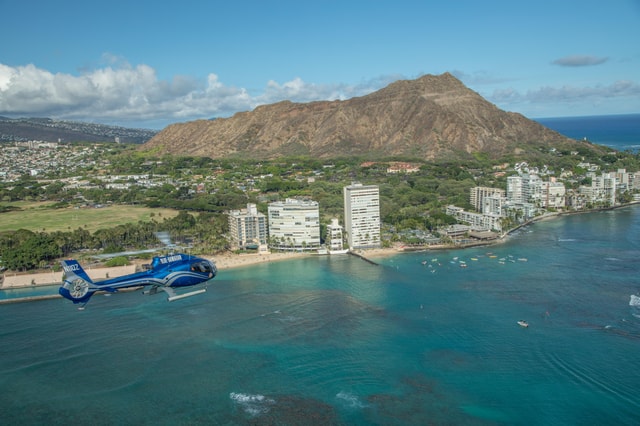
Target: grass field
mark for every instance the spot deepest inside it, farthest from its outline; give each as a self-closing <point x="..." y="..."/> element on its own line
<point x="40" y="217"/>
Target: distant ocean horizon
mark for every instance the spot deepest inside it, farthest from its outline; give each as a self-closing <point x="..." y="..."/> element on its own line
<point x="621" y="131"/>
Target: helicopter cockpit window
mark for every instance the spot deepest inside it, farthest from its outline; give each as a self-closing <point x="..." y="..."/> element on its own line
<point x="201" y="267"/>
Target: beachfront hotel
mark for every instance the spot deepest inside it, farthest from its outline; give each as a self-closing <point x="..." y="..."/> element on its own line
<point x="362" y="215"/>
<point x="294" y="225"/>
<point x="248" y="228"/>
<point x="334" y="241"/>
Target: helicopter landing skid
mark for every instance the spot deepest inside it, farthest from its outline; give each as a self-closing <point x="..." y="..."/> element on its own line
<point x="174" y="296"/>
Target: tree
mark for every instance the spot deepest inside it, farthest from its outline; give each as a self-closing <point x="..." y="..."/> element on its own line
<point x="28" y="255"/>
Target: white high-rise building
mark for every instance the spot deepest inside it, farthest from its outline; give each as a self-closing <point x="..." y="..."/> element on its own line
<point x="334" y="240"/>
<point x="294" y="225"/>
<point x="247" y="228"/>
<point x="493" y="205"/>
<point x="362" y="215"/>
<point x="531" y="188"/>
<point x="515" y="193"/>
<point x="479" y="193"/>
<point x="553" y="194"/>
<point x="603" y="188"/>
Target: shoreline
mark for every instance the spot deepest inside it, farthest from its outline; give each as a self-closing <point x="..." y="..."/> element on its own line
<point x="228" y="260"/>
<point x="223" y="262"/>
<point x="231" y="261"/>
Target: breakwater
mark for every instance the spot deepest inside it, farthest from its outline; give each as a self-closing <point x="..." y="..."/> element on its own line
<point x="363" y="258"/>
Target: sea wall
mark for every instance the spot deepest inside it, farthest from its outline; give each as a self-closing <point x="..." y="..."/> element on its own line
<point x="49" y="278"/>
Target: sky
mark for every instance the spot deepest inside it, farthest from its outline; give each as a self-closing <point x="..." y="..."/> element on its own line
<point x="149" y="64"/>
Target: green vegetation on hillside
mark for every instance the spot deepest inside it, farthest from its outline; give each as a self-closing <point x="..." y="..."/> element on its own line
<point x="120" y="203"/>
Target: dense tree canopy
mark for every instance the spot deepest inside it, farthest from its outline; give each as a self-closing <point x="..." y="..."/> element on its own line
<point x="27" y="250"/>
<point x="204" y="189"/>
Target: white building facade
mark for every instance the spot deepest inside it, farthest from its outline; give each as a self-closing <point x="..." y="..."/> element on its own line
<point x="553" y="194"/>
<point x="515" y="192"/>
<point x="362" y="215"/>
<point x="294" y="225"/>
<point x="247" y="228"/>
<point x="334" y="240"/>
<point x="602" y="189"/>
<point x="479" y="193"/>
<point x="476" y="221"/>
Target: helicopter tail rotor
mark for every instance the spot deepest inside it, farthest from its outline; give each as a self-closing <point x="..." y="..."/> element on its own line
<point x="77" y="285"/>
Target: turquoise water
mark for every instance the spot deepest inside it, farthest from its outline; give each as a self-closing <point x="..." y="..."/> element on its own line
<point x="335" y="340"/>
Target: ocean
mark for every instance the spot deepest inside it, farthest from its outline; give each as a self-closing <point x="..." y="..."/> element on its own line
<point x="417" y="339"/>
<point x="621" y="132"/>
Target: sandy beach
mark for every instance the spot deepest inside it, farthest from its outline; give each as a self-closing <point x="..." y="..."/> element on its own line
<point x="231" y="260"/>
<point x="379" y="252"/>
<point x="222" y="261"/>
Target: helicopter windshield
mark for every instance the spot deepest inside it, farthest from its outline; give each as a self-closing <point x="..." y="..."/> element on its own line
<point x="201" y="267"/>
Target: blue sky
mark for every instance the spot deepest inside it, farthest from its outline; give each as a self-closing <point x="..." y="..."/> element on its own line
<point x="149" y="64"/>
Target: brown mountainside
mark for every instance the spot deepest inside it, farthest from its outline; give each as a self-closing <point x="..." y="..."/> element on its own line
<point x="431" y="118"/>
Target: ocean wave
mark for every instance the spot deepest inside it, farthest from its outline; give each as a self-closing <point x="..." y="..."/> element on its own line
<point x="350" y="400"/>
<point x="253" y="405"/>
<point x="634" y="301"/>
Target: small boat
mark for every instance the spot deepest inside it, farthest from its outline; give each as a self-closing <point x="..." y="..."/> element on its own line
<point x="523" y="323"/>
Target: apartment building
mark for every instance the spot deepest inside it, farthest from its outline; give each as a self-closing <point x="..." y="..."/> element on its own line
<point x="294" y="225"/>
<point x="476" y="221"/>
<point x="515" y="191"/>
<point x="602" y="189"/>
<point x="479" y="193"/>
<point x="552" y="194"/>
<point x="334" y="240"/>
<point x="247" y="228"/>
<point x="362" y="215"/>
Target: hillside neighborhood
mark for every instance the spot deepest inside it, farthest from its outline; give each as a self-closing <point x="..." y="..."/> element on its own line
<point x="292" y="220"/>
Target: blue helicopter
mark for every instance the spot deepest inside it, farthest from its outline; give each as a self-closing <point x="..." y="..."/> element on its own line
<point x="165" y="273"/>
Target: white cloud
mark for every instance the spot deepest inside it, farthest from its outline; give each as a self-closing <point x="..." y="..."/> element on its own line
<point x="548" y="94"/>
<point x="133" y="96"/>
<point x="297" y="90"/>
<point x="618" y="97"/>
<point x="579" y="61"/>
<point x="122" y="93"/>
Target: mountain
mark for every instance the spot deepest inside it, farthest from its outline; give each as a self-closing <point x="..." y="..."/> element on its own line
<point x="48" y="130"/>
<point x="432" y="118"/>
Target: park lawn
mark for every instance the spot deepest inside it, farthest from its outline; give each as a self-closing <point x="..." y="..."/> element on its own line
<point x="41" y="217"/>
